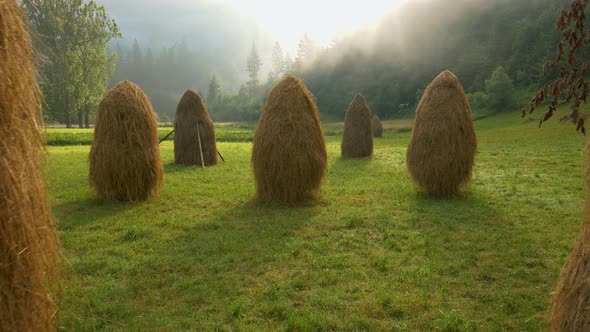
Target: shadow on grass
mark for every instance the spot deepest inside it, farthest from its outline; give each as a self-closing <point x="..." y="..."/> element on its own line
<point x="469" y="208"/>
<point x="255" y="218"/>
<point x="470" y="243"/>
<point x="171" y="168"/>
<point x="341" y="165"/>
<point x="212" y="261"/>
<point x="471" y="214"/>
<point x="87" y="211"/>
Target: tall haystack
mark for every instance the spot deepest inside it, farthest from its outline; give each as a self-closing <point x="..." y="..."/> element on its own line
<point x="289" y="153"/>
<point x="377" y="126"/>
<point x="194" y="132"/>
<point x="570" y="306"/>
<point x="442" y="150"/>
<point x="125" y="162"/>
<point x="29" y="249"/>
<point x="357" y="139"/>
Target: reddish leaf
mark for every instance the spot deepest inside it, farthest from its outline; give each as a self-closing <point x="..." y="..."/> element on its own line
<point x="571" y="84"/>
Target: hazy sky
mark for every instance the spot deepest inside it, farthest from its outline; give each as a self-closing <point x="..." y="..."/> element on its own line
<point x="323" y="20"/>
<point x="285" y="21"/>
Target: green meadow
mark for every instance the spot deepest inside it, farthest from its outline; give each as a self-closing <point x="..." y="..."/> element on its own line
<point x="373" y="254"/>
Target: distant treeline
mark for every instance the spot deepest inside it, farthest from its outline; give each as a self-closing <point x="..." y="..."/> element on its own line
<point x="493" y="46"/>
<point x="165" y="73"/>
<point x="411" y="46"/>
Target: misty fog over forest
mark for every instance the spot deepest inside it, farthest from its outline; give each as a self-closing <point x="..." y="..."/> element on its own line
<point x="167" y="49"/>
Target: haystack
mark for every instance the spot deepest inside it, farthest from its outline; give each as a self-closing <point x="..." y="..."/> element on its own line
<point x="194" y="132"/>
<point x="125" y="160"/>
<point x="289" y="153"/>
<point x="29" y="249"/>
<point x="357" y="139"/>
<point x="442" y="150"/>
<point x="570" y="306"/>
<point x="377" y="126"/>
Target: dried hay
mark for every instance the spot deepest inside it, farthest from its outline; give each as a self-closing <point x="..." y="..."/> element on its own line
<point x="570" y="305"/>
<point x="29" y="249"/>
<point x="289" y="153"/>
<point x="377" y="126"/>
<point x="191" y="111"/>
<point x="442" y="150"/>
<point x="357" y="139"/>
<point x="125" y="160"/>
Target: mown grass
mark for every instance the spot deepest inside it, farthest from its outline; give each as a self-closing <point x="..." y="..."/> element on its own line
<point x="225" y="132"/>
<point x="373" y="254"/>
<point x="65" y="137"/>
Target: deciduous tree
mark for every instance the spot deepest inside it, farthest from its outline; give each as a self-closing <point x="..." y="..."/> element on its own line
<point x="72" y="37"/>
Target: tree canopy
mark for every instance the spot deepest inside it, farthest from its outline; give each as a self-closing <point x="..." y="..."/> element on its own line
<point x="72" y="37"/>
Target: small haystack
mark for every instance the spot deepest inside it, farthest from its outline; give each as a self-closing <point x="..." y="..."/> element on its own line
<point x="357" y="139"/>
<point x="29" y="249"/>
<point x="125" y="162"/>
<point x="570" y="306"/>
<point x="377" y="126"/>
<point x="289" y="153"/>
<point x="194" y="132"/>
<point x="442" y="150"/>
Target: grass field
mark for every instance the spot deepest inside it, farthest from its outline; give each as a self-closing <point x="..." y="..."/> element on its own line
<point x="372" y="255"/>
<point x="65" y="137"/>
<point x="226" y="132"/>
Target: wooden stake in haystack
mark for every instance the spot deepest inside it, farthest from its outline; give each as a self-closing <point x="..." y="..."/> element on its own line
<point x="289" y="152"/>
<point x="200" y="146"/>
<point x="125" y="163"/>
<point x="442" y="150"/>
<point x="29" y="249"/>
<point x="194" y="132"/>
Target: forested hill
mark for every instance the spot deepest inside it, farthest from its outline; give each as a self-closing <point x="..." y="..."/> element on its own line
<point x="392" y="64"/>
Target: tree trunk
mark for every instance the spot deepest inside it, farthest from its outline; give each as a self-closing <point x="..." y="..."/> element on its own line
<point x="87" y="117"/>
<point x="67" y="112"/>
<point x="80" y="119"/>
<point x="68" y="120"/>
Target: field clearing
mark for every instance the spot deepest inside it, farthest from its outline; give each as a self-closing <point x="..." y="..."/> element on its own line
<point x="372" y="255"/>
<point x="225" y="132"/>
<point x="76" y="136"/>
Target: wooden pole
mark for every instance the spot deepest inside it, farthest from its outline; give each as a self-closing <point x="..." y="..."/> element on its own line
<point x="200" y="147"/>
<point x="220" y="156"/>
<point x="163" y="139"/>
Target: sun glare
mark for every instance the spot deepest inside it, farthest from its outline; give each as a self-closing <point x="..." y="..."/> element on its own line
<point x="288" y="21"/>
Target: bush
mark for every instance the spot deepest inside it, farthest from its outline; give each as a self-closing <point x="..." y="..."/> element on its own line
<point x="500" y="91"/>
<point x="478" y="100"/>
